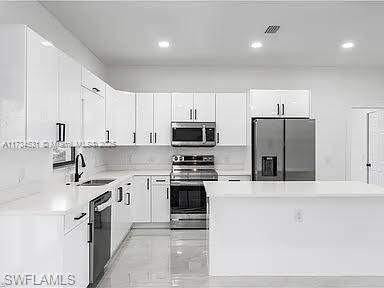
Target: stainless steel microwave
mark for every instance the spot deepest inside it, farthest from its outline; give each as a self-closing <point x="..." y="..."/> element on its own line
<point x="193" y="134"/>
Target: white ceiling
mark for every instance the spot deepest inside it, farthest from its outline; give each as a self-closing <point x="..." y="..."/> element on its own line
<point x="220" y="33"/>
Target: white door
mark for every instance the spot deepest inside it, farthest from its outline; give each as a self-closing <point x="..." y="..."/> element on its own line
<point x="141" y="199"/>
<point x="182" y="107"/>
<point x="160" y="203"/>
<point x="265" y="103"/>
<point x="115" y="225"/>
<point x="231" y="119"/>
<point x="76" y="254"/>
<point x="295" y="103"/>
<point x="376" y="150"/>
<point x="122" y="118"/>
<point x="204" y="107"/>
<point x="144" y="119"/>
<point x="42" y="89"/>
<point x="93" y="117"/>
<point x="162" y="118"/>
<point x="70" y="97"/>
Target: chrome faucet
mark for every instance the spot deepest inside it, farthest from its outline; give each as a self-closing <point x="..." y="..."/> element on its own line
<point x="77" y="175"/>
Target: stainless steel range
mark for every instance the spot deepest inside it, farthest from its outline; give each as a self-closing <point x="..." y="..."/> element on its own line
<point x="188" y="196"/>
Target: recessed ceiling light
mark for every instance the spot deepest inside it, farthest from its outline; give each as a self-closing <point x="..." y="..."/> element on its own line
<point x="164" y="44"/>
<point x="348" y="45"/>
<point x="257" y="45"/>
<point x="46" y="43"/>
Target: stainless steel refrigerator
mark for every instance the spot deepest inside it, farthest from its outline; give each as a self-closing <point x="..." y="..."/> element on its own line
<point x="283" y="149"/>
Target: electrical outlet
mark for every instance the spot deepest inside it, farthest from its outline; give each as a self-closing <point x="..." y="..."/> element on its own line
<point x="299" y="215"/>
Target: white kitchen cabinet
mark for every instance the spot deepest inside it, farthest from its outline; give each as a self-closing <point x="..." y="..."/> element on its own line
<point x="280" y="103"/>
<point x="93" y="117"/>
<point x="144" y="119"/>
<point x="182" y="107"/>
<point x="162" y="118"/>
<point x="76" y="254"/>
<point x="265" y="103"/>
<point x="160" y="192"/>
<point x="13" y="82"/>
<point x="204" y="107"/>
<point x="127" y="214"/>
<point x="295" y="103"/>
<point x="42" y="88"/>
<point x="141" y="199"/>
<point x="70" y="98"/>
<point x="92" y="82"/>
<point x="121" y="111"/>
<point x="231" y="119"/>
<point x="193" y="107"/>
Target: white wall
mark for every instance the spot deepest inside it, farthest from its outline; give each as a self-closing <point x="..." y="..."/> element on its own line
<point x="34" y="15"/>
<point x="334" y="91"/>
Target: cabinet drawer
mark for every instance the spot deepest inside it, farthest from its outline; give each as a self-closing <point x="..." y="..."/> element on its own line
<point x="92" y="82"/>
<point x="235" y="178"/>
<point x="75" y="217"/>
<point x="160" y="180"/>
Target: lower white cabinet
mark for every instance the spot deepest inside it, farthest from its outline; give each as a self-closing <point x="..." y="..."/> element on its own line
<point x="76" y="254"/>
<point x="150" y="199"/>
<point x="121" y="218"/>
<point x="141" y="199"/>
<point x="160" y="199"/>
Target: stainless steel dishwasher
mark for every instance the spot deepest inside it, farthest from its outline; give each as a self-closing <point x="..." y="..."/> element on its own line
<point x="99" y="235"/>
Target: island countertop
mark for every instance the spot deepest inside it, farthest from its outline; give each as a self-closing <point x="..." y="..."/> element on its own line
<point x="292" y="189"/>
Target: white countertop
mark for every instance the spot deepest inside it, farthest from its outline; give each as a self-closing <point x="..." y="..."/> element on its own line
<point x="248" y="189"/>
<point x="238" y="172"/>
<point x="56" y="198"/>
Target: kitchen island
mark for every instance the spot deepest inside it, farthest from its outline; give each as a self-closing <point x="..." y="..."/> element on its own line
<point x="295" y="228"/>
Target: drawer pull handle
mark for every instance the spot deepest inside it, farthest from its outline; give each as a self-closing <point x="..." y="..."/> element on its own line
<point x="79" y="217"/>
<point x="129" y="184"/>
<point x="128" y="199"/>
<point x="234" y="180"/>
<point x="161" y="180"/>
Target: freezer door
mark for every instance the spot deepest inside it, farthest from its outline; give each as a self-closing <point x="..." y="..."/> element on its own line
<point x="300" y="150"/>
<point x="267" y="149"/>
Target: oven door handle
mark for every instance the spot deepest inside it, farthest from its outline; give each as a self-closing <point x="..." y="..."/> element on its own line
<point x="187" y="183"/>
<point x="103" y="206"/>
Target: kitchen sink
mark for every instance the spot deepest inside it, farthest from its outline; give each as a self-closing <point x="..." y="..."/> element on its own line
<point x="96" y="182"/>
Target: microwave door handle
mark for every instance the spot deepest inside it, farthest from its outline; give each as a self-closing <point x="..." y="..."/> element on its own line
<point x="204" y="134"/>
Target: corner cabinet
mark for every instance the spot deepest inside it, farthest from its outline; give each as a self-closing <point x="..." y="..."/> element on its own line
<point x="231" y="119"/>
<point x="193" y="107"/>
<point x="280" y="103"/>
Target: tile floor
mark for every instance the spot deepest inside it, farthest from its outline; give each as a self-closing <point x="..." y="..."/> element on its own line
<point x="163" y="258"/>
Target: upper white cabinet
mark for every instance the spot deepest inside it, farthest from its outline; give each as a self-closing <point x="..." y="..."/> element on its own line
<point x="13" y="82"/>
<point x="162" y="118"/>
<point x="231" y="119"/>
<point x="204" y="107"/>
<point x="42" y="88"/>
<point x="280" y="103"/>
<point x="93" y="117"/>
<point x="69" y="119"/>
<point x="193" y="107"/>
<point x="29" y="81"/>
<point x="144" y="119"/>
<point x="153" y="119"/>
<point x="120" y="119"/>
<point x="92" y="82"/>
<point x="182" y="107"/>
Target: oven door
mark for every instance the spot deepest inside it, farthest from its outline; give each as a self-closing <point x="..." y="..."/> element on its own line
<point x="188" y="205"/>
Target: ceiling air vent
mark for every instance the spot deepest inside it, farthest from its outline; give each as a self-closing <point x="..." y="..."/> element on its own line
<point x="272" y="29"/>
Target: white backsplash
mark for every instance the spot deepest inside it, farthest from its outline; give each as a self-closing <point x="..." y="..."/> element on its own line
<point x="159" y="157"/>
